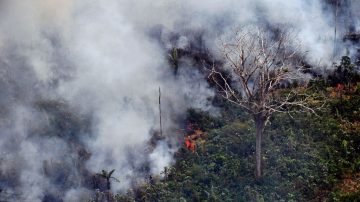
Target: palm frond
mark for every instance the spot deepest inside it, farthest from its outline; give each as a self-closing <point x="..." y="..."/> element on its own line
<point x="111" y="172"/>
<point x="117" y="180"/>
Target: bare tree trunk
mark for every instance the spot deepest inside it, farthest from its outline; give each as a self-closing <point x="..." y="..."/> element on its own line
<point x="108" y="185"/>
<point x="335" y="26"/>
<point x="161" y="132"/>
<point x="259" y="128"/>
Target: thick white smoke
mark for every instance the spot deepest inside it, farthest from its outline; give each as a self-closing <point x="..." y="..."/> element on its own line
<point x="99" y="58"/>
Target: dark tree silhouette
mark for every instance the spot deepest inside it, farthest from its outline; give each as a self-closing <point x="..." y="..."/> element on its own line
<point x="108" y="175"/>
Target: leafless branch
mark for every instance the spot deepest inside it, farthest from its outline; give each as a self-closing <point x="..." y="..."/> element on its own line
<point x="259" y="65"/>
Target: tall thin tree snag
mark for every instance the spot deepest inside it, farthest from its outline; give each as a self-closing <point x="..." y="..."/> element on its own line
<point x="161" y="131"/>
<point x="335" y="25"/>
<point x="260" y="68"/>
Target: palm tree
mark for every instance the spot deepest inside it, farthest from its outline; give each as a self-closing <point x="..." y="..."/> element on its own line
<point x="107" y="175"/>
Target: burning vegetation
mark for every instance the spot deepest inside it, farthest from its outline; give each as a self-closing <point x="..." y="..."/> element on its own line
<point x="193" y="137"/>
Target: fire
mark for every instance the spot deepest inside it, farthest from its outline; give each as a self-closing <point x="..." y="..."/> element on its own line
<point x="190" y="144"/>
<point x="194" y="134"/>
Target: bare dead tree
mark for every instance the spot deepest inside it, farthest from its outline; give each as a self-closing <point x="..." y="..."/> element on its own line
<point x="335" y="25"/>
<point x="161" y="130"/>
<point x="260" y="66"/>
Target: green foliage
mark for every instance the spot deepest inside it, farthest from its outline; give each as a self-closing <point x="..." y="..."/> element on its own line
<point x="345" y="197"/>
<point x="223" y="170"/>
<point x="305" y="157"/>
<point x="345" y="72"/>
<point x="203" y="119"/>
<point x="174" y="58"/>
<point x="348" y="109"/>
